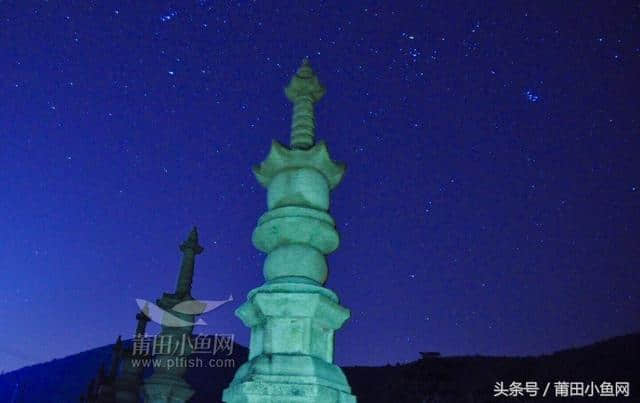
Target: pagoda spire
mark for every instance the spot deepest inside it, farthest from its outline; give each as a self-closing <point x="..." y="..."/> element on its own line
<point x="190" y="248"/>
<point x="303" y="91"/>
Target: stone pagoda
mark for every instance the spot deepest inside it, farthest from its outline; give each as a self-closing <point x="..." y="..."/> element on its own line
<point x="292" y="317"/>
<point x="167" y="384"/>
<point x="127" y="383"/>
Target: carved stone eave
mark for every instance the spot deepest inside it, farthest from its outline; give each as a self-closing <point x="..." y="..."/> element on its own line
<point x="281" y="158"/>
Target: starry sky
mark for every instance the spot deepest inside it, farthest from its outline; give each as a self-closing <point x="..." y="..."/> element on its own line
<point x="492" y="194"/>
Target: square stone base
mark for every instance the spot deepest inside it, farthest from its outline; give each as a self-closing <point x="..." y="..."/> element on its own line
<point x="166" y="389"/>
<point x="265" y="391"/>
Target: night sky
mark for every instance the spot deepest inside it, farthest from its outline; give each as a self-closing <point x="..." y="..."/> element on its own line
<point x="491" y="203"/>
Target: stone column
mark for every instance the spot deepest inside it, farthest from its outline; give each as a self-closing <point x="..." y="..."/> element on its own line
<point x="127" y="384"/>
<point x="167" y="384"/>
<point x="292" y="317"/>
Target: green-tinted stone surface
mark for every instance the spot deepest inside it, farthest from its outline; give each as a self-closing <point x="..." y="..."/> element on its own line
<point x="292" y="317"/>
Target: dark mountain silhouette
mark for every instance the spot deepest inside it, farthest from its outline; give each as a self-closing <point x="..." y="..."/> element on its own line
<point x="472" y="378"/>
<point x="432" y="378"/>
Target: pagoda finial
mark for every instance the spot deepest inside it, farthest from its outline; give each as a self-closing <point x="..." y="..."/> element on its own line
<point x="303" y="90"/>
<point x="118" y="343"/>
<point x="143" y="318"/>
<point x="192" y="242"/>
<point x="190" y="248"/>
<point x="115" y="358"/>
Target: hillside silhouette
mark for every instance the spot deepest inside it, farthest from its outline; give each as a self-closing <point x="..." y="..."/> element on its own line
<point x="432" y="378"/>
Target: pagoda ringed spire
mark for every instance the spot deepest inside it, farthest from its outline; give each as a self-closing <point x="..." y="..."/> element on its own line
<point x="190" y="248"/>
<point x="303" y="91"/>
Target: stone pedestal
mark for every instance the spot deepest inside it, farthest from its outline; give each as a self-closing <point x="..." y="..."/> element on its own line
<point x="166" y="384"/>
<point x="292" y="317"/>
<point x="167" y="389"/>
<point x="291" y="349"/>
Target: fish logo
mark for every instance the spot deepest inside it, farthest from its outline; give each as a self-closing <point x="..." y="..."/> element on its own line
<point x="190" y="307"/>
